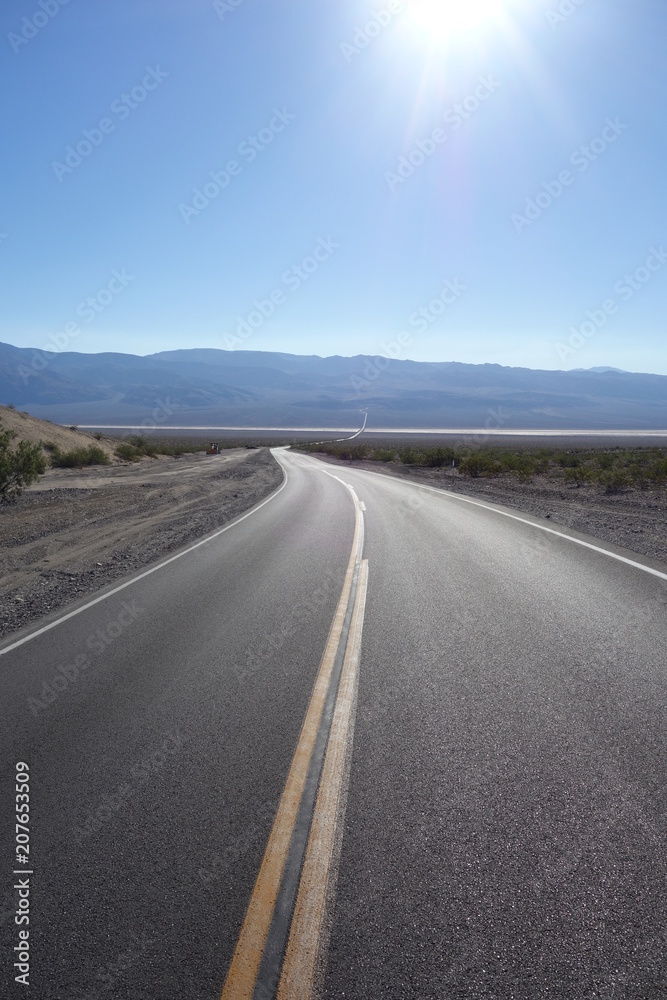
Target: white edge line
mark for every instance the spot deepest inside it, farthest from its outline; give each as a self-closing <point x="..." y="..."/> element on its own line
<point x="516" y="517"/>
<point x="148" y="572"/>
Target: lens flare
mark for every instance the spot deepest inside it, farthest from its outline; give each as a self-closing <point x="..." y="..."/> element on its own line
<point x="443" y="18"/>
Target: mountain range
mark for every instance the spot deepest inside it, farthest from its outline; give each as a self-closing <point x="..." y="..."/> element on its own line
<point x="202" y="386"/>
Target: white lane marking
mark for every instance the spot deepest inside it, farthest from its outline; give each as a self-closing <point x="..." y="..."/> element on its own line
<point x="362" y="505"/>
<point x="516" y="517"/>
<point x="148" y="572"/>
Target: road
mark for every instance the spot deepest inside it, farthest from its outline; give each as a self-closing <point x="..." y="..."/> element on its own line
<point x="498" y="817"/>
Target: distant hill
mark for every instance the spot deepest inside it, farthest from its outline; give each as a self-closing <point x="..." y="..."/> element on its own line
<point x="603" y="369"/>
<point x="262" y="388"/>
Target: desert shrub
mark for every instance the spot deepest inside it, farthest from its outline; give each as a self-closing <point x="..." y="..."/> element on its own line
<point x="138" y="445"/>
<point x="519" y="463"/>
<point x="656" y="471"/>
<point x="127" y="452"/>
<point x="19" y="466"/>
<point x="567" y="459"/>
<point x="542" y="464"/>
<point x="614" y="479"/>
<point x="76" y="458"/>
<point x="480" y="463"/>
<point x="578" y="474"/>
<point x="435" y="458"/>
<point x="353" y="453"/>
<point x="409" y="456"/>
<point x="143" y="445"/>
<point x="383" y="455"/>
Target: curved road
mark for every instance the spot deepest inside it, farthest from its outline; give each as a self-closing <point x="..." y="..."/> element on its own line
<point x="503" y="831"/>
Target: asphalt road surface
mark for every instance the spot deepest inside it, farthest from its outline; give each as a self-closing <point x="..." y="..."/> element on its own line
<point x="499" y="813"/>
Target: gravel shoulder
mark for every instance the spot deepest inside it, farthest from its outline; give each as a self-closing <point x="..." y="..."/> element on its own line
<point x="632" y="519"/>
<point x="75" y="531"/>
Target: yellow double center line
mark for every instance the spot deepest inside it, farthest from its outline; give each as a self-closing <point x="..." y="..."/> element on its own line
<point x="305" y="943"/>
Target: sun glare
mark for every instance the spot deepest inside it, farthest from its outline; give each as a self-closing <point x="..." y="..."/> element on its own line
<point x="443" y="18"/>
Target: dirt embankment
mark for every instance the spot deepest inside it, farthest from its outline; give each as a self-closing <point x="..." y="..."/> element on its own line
<point x="633" y="519"/>
<point x="75" y="531"/>
<point x="51" y="435"/>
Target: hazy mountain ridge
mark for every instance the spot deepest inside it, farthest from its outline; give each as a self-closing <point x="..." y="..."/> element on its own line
<point x="262" y="388"/>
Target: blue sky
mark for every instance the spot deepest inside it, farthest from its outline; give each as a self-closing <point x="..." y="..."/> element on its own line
<point x="369" y="159"/>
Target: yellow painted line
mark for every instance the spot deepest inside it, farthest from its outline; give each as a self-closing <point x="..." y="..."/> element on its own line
<point x="307" y="941"/>
<point x="244" y="968"/>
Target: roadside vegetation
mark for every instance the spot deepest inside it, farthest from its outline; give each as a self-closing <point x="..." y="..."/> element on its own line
<point x="19" y="466"/>
<point x="138" y="446"/>
<point x="134" y="448"/>
<point x="76" y="458"/>
<point x="612" y="468"/>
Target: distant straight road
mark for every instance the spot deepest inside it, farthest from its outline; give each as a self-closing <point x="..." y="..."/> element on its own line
<point x="504" y="829"/>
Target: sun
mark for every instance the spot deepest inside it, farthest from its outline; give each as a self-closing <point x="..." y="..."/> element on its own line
<point x="444" y="18"/>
